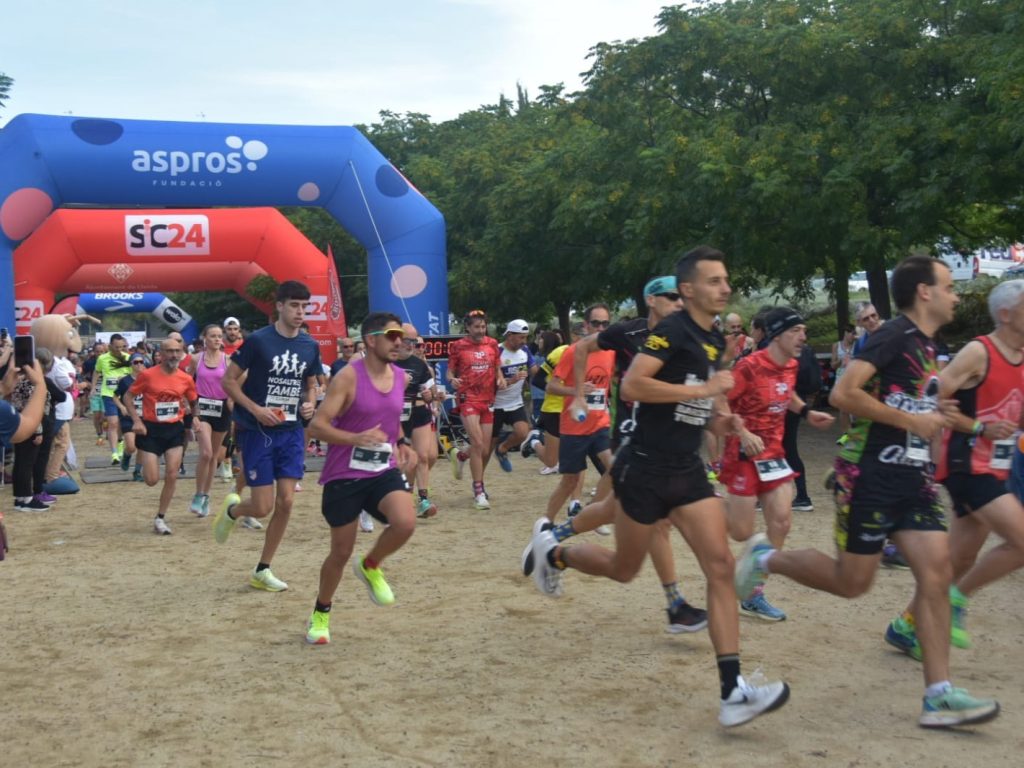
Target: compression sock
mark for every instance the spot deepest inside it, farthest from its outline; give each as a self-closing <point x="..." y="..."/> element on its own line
<point x="262" y="567"/>
<point x="673" y="595"/>
<point x="322" y="607"/>
<point x="563" y="531"/>
<point x="728" y="672"/>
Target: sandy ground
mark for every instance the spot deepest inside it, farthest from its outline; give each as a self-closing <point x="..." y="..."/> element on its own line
<point x="122" y="648"/>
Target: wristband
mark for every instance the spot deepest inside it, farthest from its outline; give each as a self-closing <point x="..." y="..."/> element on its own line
<point x="978" y="429"/>
<point x="804" y="411"/>
<point x="188" y="421"/>
<point x="403" y="440"/>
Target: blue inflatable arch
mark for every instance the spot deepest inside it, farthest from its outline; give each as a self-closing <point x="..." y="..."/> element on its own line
<point x="48" y="161"/>
<point x="161" y="307"/>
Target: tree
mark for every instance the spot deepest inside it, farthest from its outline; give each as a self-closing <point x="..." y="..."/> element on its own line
<point x="5" y="88"/>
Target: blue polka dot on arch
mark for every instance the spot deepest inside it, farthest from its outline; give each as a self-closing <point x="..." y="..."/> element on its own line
<point x="98" y="132"/>
<point x="390" y="182"/>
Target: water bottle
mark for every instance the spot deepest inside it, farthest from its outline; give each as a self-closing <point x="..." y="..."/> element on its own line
<point x="578" y="412"/>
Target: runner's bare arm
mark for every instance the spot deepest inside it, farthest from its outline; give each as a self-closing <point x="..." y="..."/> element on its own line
<point x="850" y="396"/>
<point x="639" y="384"/>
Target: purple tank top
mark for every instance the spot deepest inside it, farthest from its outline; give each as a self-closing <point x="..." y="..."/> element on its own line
<point x="208" y="379"/>
<point x="369" y="408"/>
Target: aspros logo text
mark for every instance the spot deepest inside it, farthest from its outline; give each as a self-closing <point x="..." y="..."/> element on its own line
<point x="240" y="156"/>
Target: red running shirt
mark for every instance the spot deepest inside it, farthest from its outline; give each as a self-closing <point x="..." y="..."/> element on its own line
<point x="761" y="395"/>
<point x="162" y="394"/>
<point x="477" y="366"/>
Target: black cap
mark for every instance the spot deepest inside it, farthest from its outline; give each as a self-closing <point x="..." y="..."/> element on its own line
<point x="779" y="320"/>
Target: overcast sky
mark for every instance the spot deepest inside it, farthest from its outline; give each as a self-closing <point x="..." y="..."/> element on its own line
<point x="317" y="63"/>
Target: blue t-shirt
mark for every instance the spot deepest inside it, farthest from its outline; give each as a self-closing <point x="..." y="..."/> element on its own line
<point x="9" y="423"/>
<point x="337" y="365"/>
<point x="278" y="369"/>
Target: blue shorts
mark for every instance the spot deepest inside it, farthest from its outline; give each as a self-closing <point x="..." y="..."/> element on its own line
<point x="271" y="455"/>
<point x="573" y="451"/>
<point x="109" y="408"/>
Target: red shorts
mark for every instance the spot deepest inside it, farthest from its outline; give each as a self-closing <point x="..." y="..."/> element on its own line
<point x="741" y="479"/>
<point x="477" y="408"/>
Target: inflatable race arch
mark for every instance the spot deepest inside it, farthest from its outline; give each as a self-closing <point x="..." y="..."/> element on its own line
<point x="161" y="307"/>
<point x="49" y="162"/>
<point x="173" y="250"/>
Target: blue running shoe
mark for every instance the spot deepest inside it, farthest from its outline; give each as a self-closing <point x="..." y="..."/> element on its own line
<point x="503" y="460"/>
<point x="955" y="706"/>
<point x="901" y="636"/>
<point x="750" y="575"/>
<point x="759" y="607"/>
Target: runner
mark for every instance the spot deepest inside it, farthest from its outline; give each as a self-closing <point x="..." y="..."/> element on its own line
<point x="474" y="370"/>
<point x="213" y="413"/>
<point x="417" y="418"/>
<point x="95" y="399"/>
<point x="161" y="430"/>
<point x="884" y="484"/>
<point x="986" y="377"/>
<point x="543" y="442"/>
<point x="271" y="405"/>
<point x="138" y="364"/>
<point x="517" y="364"/>
<point x="346" y="351"/>
<point x="754" y="466"/>
<point x="110" y="367"/>
<point x="660" y="474"/>
<point x="626" y="339"/>
<point x="232" y="336"/>
<point x="359" y="421"/>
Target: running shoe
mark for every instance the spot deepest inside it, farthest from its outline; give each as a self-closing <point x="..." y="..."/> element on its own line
<point x="526" y="449"/>
<point x="160" y="526"/>
<point x="830" y="480"/>
<point x="759" y="607"/>
<point x="318" y="628"/>
<point x="958" y="634"/>
<point x="750" y="575"/>
<point x="223" y="524"/>
<point x="457" y="462"/>
<point x="298" y="487"/>
<point x="546" y="577"/>
<point x="225" y="472"/>
<point x="425" y="508"/>
<point x="365" y="522"/>
<point x="901" y="636"/>
<point x="251" y="523"/>
<point x="802" y="505"/>
<point x="126" y="461"/>
<point x="196" y="505"/>
<point x="603" y="530"/>
<point x="115" y="459"/>
<point x="137" y="474"/>
<point x="891" y="558"/>
<point x="549" y="470"/>
<point x="46" y="498"/>
<point x="181" y="469"/>
<point x="266" y="581"/>
<point x="480" y="501"/>
<point x="686" y="618"/>
<point x="575" y="507"/>
<point x="31" y="504"/>
<point x="503" y="460"/>
<point x="100" y="439"/>
<point x="955" y="706"/>
<point x="540" y="524"/>
<point x="373" y="578"/>
<point x="842" y="439"/>
<point x="748" y="701"/>
<point x="206" y="506"/>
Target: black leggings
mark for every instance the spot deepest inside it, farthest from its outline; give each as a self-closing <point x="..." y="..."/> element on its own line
<point x="793" y="453"/>
<point x="30" y="465"/>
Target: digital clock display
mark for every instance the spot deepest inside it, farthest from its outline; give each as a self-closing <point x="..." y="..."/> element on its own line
<point x="436" y="348"/>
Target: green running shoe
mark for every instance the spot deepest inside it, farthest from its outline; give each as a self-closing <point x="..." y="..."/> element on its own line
<point x="318" y="628"/>
<point x="900" y="635"/>
<point x="956" y="706"/>
<point x="958" y="634"/>
<point x="373" y="578"/>
<point x="223" y="524"/>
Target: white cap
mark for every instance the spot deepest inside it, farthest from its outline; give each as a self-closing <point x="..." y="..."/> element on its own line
<point x="229" y="320"/>
<point x="517" y="326"/>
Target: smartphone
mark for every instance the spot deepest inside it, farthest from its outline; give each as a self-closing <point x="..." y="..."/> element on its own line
<point x="24" y="351"/>
<point x="3" y="336"/>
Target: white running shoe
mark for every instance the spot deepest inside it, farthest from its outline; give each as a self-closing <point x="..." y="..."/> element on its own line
<point x="549" y="470"/>
<point x="748" y="701"/>
<point x="160" y="526"/>
<point x="480" y="501"/>
<point x="603" y="530"/>
<point x="546" y="577"/>
<point x="225" y="472"/>
<point x="266" y="581"/>
<point x="250" y="522"/>
<point x="540" y="524"/>
<point x="365" y="522"/>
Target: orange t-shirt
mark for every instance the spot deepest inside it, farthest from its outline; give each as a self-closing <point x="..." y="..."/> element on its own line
<point x="599" y="373"/>
<point x="162" y="394"/>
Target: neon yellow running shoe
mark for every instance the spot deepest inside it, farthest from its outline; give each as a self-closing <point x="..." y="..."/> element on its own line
<point x="223" y="524"/>
<point x="958" y="634"/>
<point x="373" y="578"/>
<point x="318" y="629"/>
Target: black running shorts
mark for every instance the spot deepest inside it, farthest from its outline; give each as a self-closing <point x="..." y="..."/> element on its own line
<point x="343" y="500"/>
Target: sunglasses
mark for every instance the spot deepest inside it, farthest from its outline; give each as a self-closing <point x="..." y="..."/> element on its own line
<point x="139" y="362"/>
<point x="412" y="342"/>
<point x="393" y="334"/>
<point x="476" y="313"/>
<point x="599" y="323"/>
<point x="348" y="346"/>
<point x="669" y="296"/>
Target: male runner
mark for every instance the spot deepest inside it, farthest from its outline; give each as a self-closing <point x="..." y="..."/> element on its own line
<point x="660" y="474"/>
<point x="271" y="405"/>
<point x="417" y="418"/>
<point x="138" y="364"/>
<point x="360" y="422"/>
<point x="346" y="351"/>
<point x="625" y="339"/>
<point x="987" y="379"/>
<point x="517" y="365"/>
<point x="884" y="484"/>
<point x="161" y="429"/>
<point x="110" y="367"/>
<point x="474" y="370"/>
<point x="232" y="336"/>
<point x="754" y="466"/>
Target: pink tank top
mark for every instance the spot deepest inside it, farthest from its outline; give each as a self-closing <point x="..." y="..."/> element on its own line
<point x="369" y="408"/>
<point x="208" y="379"/>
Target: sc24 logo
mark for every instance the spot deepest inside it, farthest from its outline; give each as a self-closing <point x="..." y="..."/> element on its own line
<point x="156" y="235"/>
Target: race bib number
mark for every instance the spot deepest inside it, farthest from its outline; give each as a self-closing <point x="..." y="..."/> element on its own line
<point x="596" y="401"/>
<point x="371" y="458"/>
<point x="138" y="403"/>
<point x="286" y="408"/>
<point x="211" y="408"/>
<point x="406" y="410"/>
<point x="110" y="382"/>
<point x="772" y="469"/>
<point x="1002" y="454"/>
<point x="919" y="450"/>
<point x="167" y="411"/>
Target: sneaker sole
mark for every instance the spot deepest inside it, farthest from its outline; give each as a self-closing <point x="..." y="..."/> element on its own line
<point x="257" y="584"/>
<point x="429" y="512"/>
<point x="318" y="640"/>
<point x="954" y="719"/>
<point x="527" y="559"/>
<point x="685" y="629"/>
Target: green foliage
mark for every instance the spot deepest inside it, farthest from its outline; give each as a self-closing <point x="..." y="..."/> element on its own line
<point x="5" y="88"/>
<point x="262" y="288"/>
<point x="972" y="317"/>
